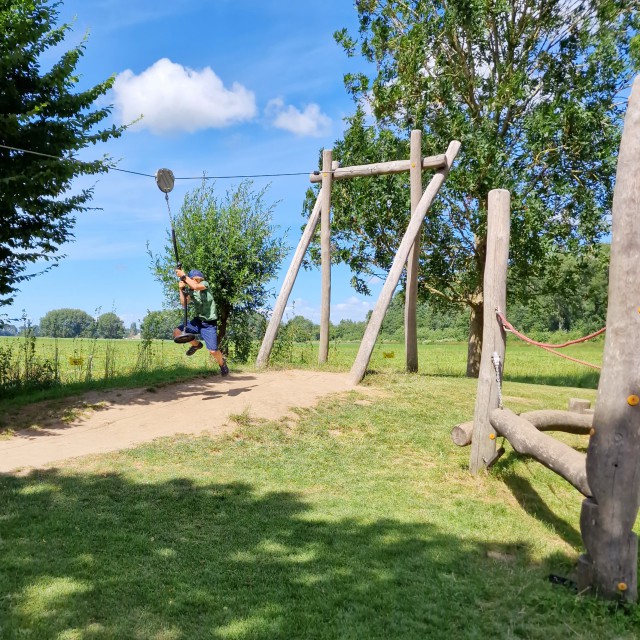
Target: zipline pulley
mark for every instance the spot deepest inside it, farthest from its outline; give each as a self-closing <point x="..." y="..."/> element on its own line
<point x="165" y="181"/>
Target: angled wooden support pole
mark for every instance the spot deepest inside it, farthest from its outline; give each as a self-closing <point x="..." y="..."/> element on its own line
<point x="375" y="322"/>
<point x="610" y="567"/>
<point x="483" y="444"/>
<point x="289" y="280"/>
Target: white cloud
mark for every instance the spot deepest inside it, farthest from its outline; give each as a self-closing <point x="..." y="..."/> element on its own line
<point x="171" y="98"/>
<point x="309" y="122"/>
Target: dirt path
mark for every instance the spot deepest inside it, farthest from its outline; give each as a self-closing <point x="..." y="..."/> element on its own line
<point x="120" y="419"/>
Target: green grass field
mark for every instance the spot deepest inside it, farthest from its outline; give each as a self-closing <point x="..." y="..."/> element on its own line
<point x="360" y="520"/>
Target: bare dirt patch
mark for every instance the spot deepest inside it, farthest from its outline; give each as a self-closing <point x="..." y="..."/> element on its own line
<point x="98" y="422"/>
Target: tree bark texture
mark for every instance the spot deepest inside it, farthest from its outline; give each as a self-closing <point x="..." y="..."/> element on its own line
<point x="613" y="459"/>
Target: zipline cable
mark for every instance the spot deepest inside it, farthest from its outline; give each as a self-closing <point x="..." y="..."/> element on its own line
<point x="149" y="175"/>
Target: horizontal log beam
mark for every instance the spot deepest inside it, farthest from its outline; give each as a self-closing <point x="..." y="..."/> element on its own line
<point x="553" y="454"/>
<point x="381" y="168"/>
<point x="543" y="420"/>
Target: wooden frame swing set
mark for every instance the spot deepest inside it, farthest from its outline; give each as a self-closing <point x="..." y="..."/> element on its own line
<point x="407" y="254"/>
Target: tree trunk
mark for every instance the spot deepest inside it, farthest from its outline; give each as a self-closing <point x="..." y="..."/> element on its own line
<point x="223" y="317"/>
<point x="474" y="347"/>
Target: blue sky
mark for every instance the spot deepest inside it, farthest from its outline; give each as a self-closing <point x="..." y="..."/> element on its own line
<point x="226" y="87"/>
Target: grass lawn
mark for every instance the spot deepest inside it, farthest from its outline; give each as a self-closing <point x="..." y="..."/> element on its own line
<point x="358" y="521"/>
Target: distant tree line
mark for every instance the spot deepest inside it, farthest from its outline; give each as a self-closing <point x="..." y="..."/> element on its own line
<point x="572" y="299"/>
<point x="74" y="323"/>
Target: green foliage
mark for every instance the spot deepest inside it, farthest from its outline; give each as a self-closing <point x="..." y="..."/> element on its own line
<point x="231" y="240"/>
<point x="39" y="111"/>
<point x="22" y="370"/>
<point x="573" y="298"/>
<point x="109" y="325"/>
<point x="159" y="325"/>
<point x="537" y="101"/>
<point x="67" y="323"/>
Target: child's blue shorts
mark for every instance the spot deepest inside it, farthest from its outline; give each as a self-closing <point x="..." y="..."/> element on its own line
<point x="207" y="329"/>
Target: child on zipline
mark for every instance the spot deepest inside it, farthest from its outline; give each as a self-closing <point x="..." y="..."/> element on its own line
<point x="205" y="320"/>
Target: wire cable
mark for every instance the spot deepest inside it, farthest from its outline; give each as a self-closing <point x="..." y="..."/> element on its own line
<point x="148" y="175"/>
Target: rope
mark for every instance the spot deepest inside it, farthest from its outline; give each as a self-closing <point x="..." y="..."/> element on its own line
<point x="510" y="327"/>
<point x="551" y="348"/>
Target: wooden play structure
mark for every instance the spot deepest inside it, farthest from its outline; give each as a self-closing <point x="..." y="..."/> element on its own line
<point x="609" y="474"/>
<point x="407" y="254"/>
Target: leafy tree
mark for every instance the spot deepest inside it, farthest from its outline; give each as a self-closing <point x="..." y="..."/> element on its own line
<point x="67" y="323"/>
<point x="303" y="329"/>
<point x="159" y="325"/>
<point x="231" y="240"/>
<point x="575" y="300"/>
<point x="8" y="330"/>
<point x="348" y="330"/>
<point x="534" y="90"/>
<point x="108" y="325"/>
<point x="40" y="112"/>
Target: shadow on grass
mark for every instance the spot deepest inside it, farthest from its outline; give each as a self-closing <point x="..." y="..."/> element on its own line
<point x="104" y="557"/>
<point x="586" y="380"/>
<point x="531" y="501"/>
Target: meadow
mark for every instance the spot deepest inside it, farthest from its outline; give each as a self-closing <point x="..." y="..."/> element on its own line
<point x="357" y="520"/>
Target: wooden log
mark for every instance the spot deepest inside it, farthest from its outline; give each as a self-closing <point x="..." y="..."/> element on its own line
<point x="483" y="447"/>
<point x="579" y="405"/>
<point x="542" y="420"/>
<point x="613" y="457"/>
<point x="375" y="322"/>
<point x="382" y="168"/>
<point x="411" y="290"/>
<point x="285" y="291"/>
<point x="553" y="454"/>
<point x="325" y="255"/>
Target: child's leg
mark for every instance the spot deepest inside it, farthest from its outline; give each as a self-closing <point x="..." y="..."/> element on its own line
<point x="210" y="336"/>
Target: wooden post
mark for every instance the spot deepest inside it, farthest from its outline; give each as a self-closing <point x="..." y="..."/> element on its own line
<point x="287" y="285"/>
<point x="411" y="291"/>
<point x="610" y="566"/>
<point x="375" y="322"/>
<point x="325" y="255"/>
<point x="483" y="444"/>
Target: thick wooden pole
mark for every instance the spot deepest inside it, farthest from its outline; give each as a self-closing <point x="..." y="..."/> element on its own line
<point x="375" y="322"/>
<point x="553" y="454"/>
<point x="613" y="458"/>
<point x="483" y="445"/>
<point x="325" y="254"/>
<point x="411" y="291"/>
<point x="287" y="285"/>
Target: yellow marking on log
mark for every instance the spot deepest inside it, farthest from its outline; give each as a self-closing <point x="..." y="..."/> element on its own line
<point x="622" y="586"/>
<point x="492" y="436"/>
<point x="633" y="400"/>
